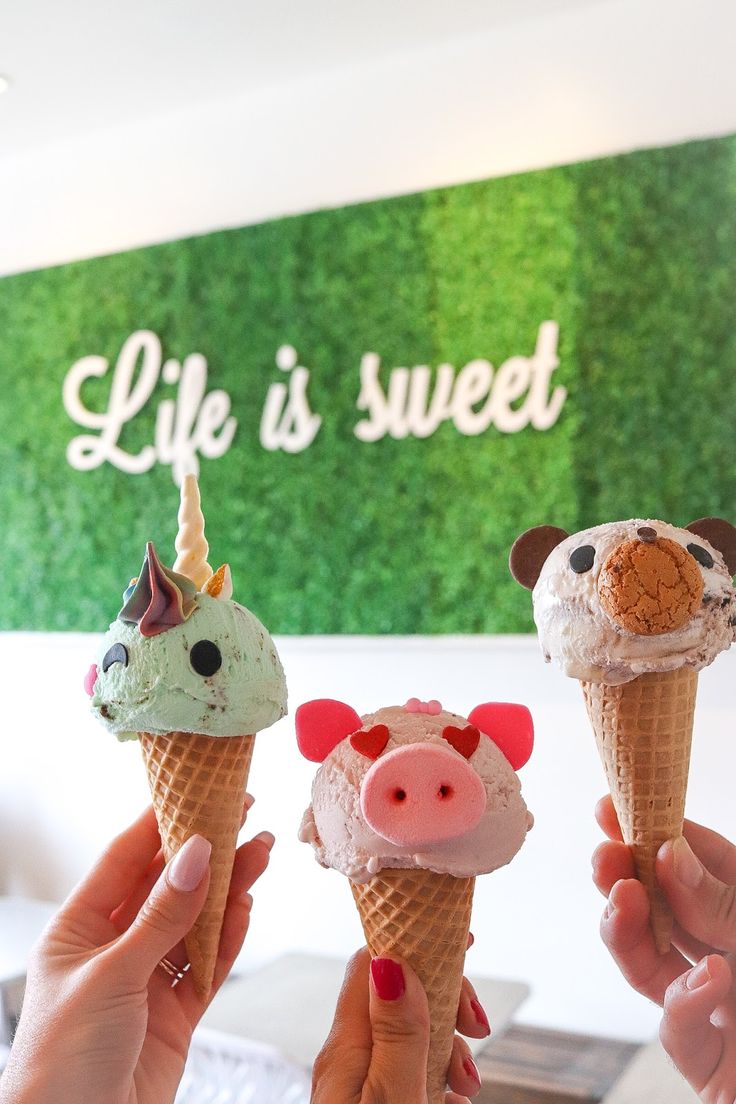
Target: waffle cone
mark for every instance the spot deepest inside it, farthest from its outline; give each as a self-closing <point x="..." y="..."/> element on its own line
<point x="644" y="730"/>
<point x="423" y="918"/>
<point x="197" y="785"/>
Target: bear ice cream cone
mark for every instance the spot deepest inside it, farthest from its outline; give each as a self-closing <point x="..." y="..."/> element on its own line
<point x="411" y="803"/>
<point x="193" y="675"/>
<point x="634" y="610"/>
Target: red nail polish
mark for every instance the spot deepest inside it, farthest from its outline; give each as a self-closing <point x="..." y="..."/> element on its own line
<point x="480" y="1015"/>
<point x="472" y="1070"/>
<point x="388" y="978"/>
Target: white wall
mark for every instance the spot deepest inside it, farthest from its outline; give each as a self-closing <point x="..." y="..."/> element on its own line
<point x="597" y="79"/>
<point x="66" y="787"/>
<point x="600" y="79"/>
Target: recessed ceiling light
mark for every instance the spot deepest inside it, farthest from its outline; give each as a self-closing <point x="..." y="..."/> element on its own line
<point x="4" y="83"/>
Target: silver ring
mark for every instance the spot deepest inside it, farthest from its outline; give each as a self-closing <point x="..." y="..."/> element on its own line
<point x="173" y="971"/>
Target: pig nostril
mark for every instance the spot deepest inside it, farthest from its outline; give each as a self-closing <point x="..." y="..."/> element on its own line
<point x="399" y="796"/>
<point x="444" y="792"/>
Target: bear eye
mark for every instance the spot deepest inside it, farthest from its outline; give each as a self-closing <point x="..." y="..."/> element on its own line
<point x="581" y="559"/>
<point x="205" y="657"/>
<point x="117" y="654"/>
<point x="702" y="555"/>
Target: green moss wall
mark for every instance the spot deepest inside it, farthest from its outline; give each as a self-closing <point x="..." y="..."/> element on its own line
<point x="633" y="256"/>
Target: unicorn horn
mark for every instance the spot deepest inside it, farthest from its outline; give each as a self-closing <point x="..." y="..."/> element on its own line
<point x="191" y="544"/>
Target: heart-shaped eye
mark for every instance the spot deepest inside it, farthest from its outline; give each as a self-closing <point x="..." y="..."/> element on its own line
<point x="465" y="740"/>
<point x="372" y="742"/>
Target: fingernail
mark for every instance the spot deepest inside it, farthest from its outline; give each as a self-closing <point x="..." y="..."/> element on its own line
<point x="188" y="867"/>
<point x="471" y="940"/>
<point x="388" y="979"/>
<point x="687" y="868"/>
<point x="609" y="909"/>
<point x="266" y="837"/>
<point x="248" y="800"/>
<point x="472" y="1070"/>
<point x="480" y="1015"/>
<point x="698" y="975"/>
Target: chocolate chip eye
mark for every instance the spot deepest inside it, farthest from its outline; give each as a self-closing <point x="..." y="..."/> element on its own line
<point x="117" y="654"/>
<point x="582" y="558"/>
<point x="205" y="657"/>
<point x="702" y="555"/>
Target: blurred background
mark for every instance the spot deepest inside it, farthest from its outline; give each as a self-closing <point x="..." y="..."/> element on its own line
<point x="270" y="184"/>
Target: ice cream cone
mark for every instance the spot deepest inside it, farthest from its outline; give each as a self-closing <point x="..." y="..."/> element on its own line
<point x="643" y="729"/>
<point x="197" y="785"/>
<point x="423" y="918"/>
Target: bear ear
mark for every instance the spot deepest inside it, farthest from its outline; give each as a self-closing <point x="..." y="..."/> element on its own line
<point x="721" y="534"/>
<point x="321" y="725"/>
<point x="531" y="549"/>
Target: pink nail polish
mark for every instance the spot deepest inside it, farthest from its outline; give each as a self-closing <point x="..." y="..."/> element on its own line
<point x="472" y="1070"/>
<point x="189" y="865"/>
<point x="480" y="1014"/>
<point x="388" y="979"/>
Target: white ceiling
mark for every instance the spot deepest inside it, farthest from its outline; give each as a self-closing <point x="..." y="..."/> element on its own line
<point x="88" y="64"/>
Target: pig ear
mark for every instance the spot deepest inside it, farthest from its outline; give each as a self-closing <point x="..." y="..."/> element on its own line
<point x="530" y="550"/>
<point x="721" y="534"/>
<point x="510" y="726"/>
<point x="321" y="725"/>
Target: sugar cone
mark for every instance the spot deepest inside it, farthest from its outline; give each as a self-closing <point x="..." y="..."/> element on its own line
<point x="423" y="918"/>
<point x="197" y="785"/>
<point x="644" y="731"/>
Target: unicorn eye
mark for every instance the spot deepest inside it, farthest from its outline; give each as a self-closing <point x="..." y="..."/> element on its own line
<point x="117" y="654"/>
<point x="205" y="657"/>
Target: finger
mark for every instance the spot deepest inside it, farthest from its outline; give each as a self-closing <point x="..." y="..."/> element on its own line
<point x="400" y="1025"/>
<point x="687" y="1034"/>
<point x="119" y="868"/>
<point x="716" y="853"/>
<point x="463" y="1075"/>
<point x="124" y="916"/>
<point x="626" y="931"/>
<point x="605" y="814"/>
<point x="471" y="1016"/>
<point x="168" y="913"/>
<point x="612" y="862"/>
<point x="341" y="1067"/>
<point x="703" y="905"/>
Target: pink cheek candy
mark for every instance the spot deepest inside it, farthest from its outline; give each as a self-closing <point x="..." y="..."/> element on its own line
<point x="90" y="679"/>
<point x="422" y="794"/>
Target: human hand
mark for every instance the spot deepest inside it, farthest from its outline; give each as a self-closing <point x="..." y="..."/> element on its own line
<point x="698" y="875"/>
<point x="101" y="1020"/>
<point x="376" y="1052"/>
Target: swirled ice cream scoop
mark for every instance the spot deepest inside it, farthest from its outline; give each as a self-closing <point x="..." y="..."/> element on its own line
<point x="630" y="597"/>
<point x="415" y="786"/>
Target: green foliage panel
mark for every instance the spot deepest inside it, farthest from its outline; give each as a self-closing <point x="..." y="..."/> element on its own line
<point x="634" y="258"/>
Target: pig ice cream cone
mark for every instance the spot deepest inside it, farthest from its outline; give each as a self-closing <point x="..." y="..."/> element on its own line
<point x="193" y="675"/>
<point x="634" y="610"/>
<point x="411" y="803"/>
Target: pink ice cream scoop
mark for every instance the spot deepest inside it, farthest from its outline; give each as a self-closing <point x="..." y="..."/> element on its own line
<point x="415" y="786"/>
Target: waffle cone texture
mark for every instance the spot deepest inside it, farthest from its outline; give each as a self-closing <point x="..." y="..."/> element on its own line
<point x="197" y="786"/>
<point x="423" y="918"/>
<point x="644" y="732"/>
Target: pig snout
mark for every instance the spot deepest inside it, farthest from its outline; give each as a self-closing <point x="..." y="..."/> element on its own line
<point x="422" y="794"/>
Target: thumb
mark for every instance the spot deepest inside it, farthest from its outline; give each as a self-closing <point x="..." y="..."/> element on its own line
<point x="704" y="906"/>
<point x="400" y="1024"/>
<point x="170" y="910"/>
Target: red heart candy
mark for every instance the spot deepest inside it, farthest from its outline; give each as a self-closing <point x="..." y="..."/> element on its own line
<point x="465" y="740"/>
<point x="372" y="742"/>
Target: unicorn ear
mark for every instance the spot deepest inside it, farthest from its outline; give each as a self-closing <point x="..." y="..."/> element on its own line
<point x="190" y="543"/>
<point x="220" y="585"/>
